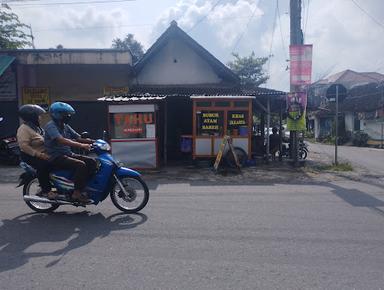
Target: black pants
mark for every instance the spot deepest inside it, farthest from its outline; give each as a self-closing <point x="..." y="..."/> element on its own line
<point x="42" y="170"/>
<point x="83" y="167"/>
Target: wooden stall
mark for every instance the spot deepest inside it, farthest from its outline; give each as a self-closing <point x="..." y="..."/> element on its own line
<point x="217" y="116"/>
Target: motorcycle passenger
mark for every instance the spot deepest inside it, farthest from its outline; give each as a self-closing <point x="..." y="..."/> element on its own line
<point x="30" y="137"/>
<point x="59" y="139"/>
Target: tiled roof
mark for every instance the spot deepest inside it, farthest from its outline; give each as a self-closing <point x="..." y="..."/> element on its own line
<point x="350" y="78"/>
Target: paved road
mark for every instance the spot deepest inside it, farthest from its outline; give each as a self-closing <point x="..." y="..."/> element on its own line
<point x="278" y="236"/>
<point x="367" y="158"/>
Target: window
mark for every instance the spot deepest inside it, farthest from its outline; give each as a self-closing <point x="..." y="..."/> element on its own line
<point x="223" y="104"/>
<point x="241" y="104"/>
<point x="210" y="123"/>
<point x="203" y="104"/>
<point x="132" y="125"/>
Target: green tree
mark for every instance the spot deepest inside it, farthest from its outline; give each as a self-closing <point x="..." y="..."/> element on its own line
<point x="129" y="42"/>
<point x="12" y="35"/>
<point x="249" y="69"/>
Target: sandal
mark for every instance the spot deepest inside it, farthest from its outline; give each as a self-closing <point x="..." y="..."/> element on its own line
<point x="52" y="195"/>
<point x="81" y="199"/>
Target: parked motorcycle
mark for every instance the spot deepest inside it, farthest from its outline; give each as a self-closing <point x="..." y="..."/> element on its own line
<point x="128" y="192"/>
<point x="9" y="150"/>
<point x="303" y="150"/>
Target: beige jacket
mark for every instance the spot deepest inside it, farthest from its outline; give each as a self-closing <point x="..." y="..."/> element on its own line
<point x="30" y="142"/>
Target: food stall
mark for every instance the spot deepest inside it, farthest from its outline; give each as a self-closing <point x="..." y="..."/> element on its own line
<point x="134" y="138"/>
<point x="217" y="116"/>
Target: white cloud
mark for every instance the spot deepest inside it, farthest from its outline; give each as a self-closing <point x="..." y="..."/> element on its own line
<point x="86" y="27"/>
<point x="344" y="37"/>
<point x="218" y="29"/>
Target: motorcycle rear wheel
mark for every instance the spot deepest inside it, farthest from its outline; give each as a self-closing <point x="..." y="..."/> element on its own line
<point x="303" y="154"/>
<point x="137" y="198"/>
<point x="241" y="157"/>
<point x="31" y="188"/>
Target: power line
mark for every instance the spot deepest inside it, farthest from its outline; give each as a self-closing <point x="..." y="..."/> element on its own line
<point x="246" y="28"/>
<point x="93" y="27"/>
<point x="368" y="14"/>
<point x="118" y="26"/>
<point x="281" y="31"/>
<point x="273" y="35"/>
<point x="306" y="18"/>
<point x="26" y="5"/>
<point x="205" y="16"/>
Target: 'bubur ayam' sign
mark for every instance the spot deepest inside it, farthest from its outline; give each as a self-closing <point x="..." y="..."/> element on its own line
<point x="210" y="121"/>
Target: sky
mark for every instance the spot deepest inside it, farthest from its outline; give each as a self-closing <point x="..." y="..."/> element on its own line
<point x="346" y="34"/>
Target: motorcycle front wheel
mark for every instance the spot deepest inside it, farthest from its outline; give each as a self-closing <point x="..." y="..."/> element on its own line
<point x="32" y="188"/>
<point x="135" y="197"/>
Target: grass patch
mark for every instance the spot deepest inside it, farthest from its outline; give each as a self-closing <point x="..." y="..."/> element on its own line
<point x="343" y="167"/>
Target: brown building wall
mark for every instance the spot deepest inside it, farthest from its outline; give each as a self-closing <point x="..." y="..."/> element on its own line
<point x="76" y="82"/>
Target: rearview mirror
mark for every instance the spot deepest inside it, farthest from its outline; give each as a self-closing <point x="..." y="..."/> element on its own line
<point x="85" y="135"/>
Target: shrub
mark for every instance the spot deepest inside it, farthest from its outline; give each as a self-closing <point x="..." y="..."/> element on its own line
<point x="360" y="138"/>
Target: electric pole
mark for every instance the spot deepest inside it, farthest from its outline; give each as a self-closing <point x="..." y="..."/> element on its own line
<point x="296" y="39"/>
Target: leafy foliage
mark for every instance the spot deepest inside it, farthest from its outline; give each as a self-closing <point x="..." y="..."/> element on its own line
<point x="12" y="35"/>
<point x="129" y="42"/>
<point x="249" y="69"/>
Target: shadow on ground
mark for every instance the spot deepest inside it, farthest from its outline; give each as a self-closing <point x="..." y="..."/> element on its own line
<point x="74" y="230"/>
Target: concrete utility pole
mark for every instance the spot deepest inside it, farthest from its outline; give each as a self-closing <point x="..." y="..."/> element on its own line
<point x="337" y="124"/>
<point x="296" y="38"/>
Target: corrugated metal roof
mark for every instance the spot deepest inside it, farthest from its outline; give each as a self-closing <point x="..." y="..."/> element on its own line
<point x="202" y="90"/>
<point x="223" y="97"/>
<point x="131" y="99"/>
<point x="150" y="93"/>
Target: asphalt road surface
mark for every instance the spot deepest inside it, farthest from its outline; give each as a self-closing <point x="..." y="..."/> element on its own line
<point x="369" y="159"/>
<point x="278" y="236"/>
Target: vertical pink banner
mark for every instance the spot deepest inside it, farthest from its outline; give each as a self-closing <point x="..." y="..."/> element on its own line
<point x="300" y="64"/>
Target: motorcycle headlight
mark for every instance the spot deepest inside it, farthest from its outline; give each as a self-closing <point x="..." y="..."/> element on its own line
<point x="119" y="163"/>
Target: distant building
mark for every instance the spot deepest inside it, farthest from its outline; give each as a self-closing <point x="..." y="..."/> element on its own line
<point x="43" y="76"/>
<point x="362" y="108"/>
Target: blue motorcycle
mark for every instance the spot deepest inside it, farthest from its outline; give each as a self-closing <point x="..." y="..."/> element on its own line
<point x="128" y="191"/>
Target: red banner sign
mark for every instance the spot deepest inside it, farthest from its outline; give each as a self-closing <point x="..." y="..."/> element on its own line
<point x="300" y="64"/>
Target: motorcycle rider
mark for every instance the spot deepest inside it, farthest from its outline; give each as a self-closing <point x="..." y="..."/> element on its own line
<point x="30" y="137"/>
<point x="59" y="139"/>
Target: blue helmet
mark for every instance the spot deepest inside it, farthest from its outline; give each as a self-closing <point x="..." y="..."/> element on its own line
<point x="59" y="110"/>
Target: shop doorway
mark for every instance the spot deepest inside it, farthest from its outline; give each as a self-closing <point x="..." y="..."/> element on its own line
<point x="178" y="123"/>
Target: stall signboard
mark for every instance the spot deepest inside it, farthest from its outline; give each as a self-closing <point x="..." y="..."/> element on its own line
<point x="237" y="123"/>
<point x="115" y="91"/>
<point x="133" y="125"/>
<point x="36" y="96"/>
<point x="210" y="123"/>
<point x="296" y="104"/>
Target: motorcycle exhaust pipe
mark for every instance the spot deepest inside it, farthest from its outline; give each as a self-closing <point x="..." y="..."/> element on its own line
<point x="45" y="200"/>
